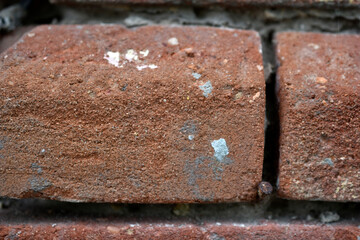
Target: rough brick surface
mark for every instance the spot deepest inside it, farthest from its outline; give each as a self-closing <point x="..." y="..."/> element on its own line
<point x="182" y="230"/>
<point x="294" y="3"/>
<point x="319" y="94"/>
<point x="158" y="114"/>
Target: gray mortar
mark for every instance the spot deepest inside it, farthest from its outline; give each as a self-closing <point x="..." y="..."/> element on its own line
<point x="267" y="21"/>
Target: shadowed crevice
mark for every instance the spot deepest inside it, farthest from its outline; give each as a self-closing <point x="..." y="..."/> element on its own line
<point x="272" y="122"/>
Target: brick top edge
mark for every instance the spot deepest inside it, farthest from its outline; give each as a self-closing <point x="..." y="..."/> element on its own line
<point x="311" y="34"/>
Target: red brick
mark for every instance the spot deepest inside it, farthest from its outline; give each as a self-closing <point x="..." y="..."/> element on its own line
<point x="76" y="127"/>
<point x="239" y="3"/>
<point x="319" y="94"/>
<point x="182" y="230"/>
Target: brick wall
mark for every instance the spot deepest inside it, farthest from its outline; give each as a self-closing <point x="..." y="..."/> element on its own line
<point x="180" y="119"/>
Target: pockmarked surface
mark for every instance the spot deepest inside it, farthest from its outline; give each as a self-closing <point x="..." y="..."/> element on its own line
<point x="319" y="95"/>
<point x="156" y="114"/>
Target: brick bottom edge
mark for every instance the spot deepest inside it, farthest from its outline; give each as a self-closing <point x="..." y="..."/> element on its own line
<point x="212" y="231"/>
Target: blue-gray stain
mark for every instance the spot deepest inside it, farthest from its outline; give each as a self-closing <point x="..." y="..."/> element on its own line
<point x="196" y="172"/>
<point x="36" y="167"/>
<point x="214" y="236"/>
<point x="217" y="167"/>
<point x="328" y="162"/>
<point x="206" y="88"/>
<point x="38" y="184"/>
<point x="196" y="75"/>
<point x="189" y="127"/>
<point x="220" y="148"/>
<point x="1" y="144"/>
<point x="124" y="87"/>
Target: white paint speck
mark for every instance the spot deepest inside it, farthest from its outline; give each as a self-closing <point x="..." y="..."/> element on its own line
<point x="206" y="88"/>
<point x="191" y="137"/>
<point x="220" y="148"/>
<point x="42" y="150"/>
<point x="259" y="67"/>
<point x="151" y="66"/>
<point x="113" y="58"/>
<point x="144" y="53"/>
<point x="173" y="41"/>
<point x="131" y="55"/>
<point x="314" y="46"/>
<point x="256" y="96"/>
<point x="196" y="75"/>
<point x="31" y="34"/>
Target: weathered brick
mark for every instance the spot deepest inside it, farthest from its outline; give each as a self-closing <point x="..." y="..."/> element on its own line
<point x="319" y="95"/>
<point x="178" y="230"/>
<point x="236" y="3"/>
<point x="158" y="114"/>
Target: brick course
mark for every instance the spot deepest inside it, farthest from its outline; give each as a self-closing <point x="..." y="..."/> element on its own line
<point x="179" y="230"/>
<point x="319" y="92"/>
<point x="158" y="114"/>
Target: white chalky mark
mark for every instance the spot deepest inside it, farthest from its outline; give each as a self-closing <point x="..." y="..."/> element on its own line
<point x="196" y="75"/>
<point x="144" y="53"/>
<point x="113" y="58"/>
<point x="191" y="137"/>
<point x="151" y="66"/>
<point x="206" y="88"/>
<point x="173" y="41"/>
<point x="131" y="55"/>
<point x="31" y="34"/>
<point x="220" y="148"/>
<point x="328" y="217"/>
<point x="259" y="67"/>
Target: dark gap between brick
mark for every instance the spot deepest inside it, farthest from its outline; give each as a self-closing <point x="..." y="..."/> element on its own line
<point x="272" y="123"/>
<point x="278" y="210"/>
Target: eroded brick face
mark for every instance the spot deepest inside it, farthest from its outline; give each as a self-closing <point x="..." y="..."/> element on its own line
<point x="319" y="94"/>
<point x="158" y="114"/>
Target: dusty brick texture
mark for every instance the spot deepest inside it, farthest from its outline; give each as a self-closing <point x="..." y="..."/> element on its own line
<point x="319" y="95"/>
<point x="236" y="3"/>
<point x="180" y="230"/>
<point x="156" y="114"/>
